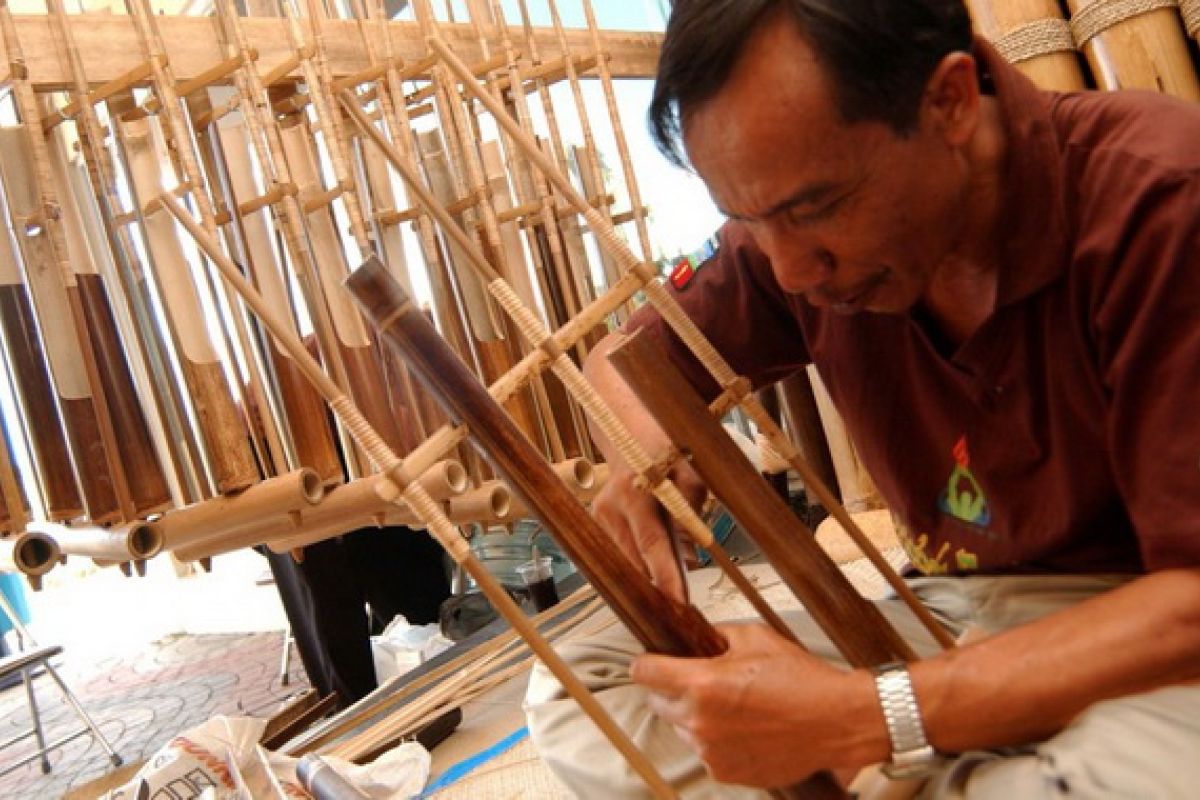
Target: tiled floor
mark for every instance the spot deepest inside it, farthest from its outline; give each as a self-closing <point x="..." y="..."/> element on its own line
<point x="203" y="645"/>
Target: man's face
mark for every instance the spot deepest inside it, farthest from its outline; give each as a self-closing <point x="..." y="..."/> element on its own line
<point x="855" y="217"/>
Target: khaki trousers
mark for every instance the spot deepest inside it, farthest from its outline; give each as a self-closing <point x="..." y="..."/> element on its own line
<point x="1142" y="746"/>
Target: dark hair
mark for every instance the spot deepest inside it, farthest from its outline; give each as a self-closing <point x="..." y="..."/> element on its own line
<point x="878" y="53"/>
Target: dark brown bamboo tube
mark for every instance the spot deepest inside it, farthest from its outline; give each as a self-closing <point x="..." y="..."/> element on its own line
<point x="14" y="507"/>
<point x="660" y="623"/>
<point x="852" y="623"/>
<point x="51" y="459"/>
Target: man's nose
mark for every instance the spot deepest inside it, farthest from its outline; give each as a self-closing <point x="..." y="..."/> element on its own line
<point x="799" y="262"/>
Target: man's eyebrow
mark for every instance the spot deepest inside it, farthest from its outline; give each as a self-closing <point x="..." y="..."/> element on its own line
<point x="804" y="195"/>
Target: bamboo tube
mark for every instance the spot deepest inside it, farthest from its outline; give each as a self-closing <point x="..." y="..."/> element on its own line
<point x="68" y="367"/>
<point x="226" y="447"/>
<point x="489" y="503"/>
<point x="31" y="552"/>
<point x="13" y="505"/>
<point x="660" y="623"/>
<point x="1136" y="45"/>
<point x="310" y="434"/>
<point x="1033" y="35"/>
<point x="217" y="517"/>
<point x="172" y="437"/>
<point x="129" y="542"/>
<point x="147" y="484"/>
<point x="852" y="623"/>
<point x="640" y="275"/>
<point x="51" y="459"/>
<point x="417" y="498"/>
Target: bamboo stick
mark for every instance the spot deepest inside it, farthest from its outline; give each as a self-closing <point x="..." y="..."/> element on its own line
<point x="12" y="496"/>
<point x="129" y="542"/>
<point x="641" y="275"/>
<point x="413" y="494"/>
<point x="804" y="421"/>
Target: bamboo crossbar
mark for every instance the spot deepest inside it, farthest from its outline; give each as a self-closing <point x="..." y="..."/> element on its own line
<point x="130" y="542"/>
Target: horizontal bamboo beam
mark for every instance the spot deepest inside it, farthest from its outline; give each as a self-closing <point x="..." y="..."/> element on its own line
<point x="109" y="47"/>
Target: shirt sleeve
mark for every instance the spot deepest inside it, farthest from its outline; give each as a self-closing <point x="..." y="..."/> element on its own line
<point x="1148" y="337"/>
<point x="735" y="301"/>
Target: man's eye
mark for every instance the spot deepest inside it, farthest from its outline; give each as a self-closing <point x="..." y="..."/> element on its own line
<point x="810" y="215"/>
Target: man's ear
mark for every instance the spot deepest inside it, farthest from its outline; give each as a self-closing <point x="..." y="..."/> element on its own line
<point x="950" y="103"/>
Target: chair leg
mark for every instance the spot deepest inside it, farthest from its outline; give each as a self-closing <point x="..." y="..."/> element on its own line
<point x="83" y="715"/>
<point x="27" y="677"/>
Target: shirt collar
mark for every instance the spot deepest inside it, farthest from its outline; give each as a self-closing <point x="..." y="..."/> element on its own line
<point x="1032" y="216"/>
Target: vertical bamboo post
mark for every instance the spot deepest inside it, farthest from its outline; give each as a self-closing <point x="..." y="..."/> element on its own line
<point x="1034" y="36"/>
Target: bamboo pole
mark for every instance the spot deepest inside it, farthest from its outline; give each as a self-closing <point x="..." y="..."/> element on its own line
<point x="417" y="498"/>
<point x="12" y="496"/>
<point x="660" y="623"/>
<point x="641" y="275"/>
<point x="804" y="421"/>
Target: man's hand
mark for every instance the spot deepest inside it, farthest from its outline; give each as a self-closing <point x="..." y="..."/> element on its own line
<point x="766" y="713"/>
<point x="640" y="527"/>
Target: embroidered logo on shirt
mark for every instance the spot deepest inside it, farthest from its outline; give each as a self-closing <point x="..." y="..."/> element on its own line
<point x="682" y="274"/>
<point x="963" y="498"/>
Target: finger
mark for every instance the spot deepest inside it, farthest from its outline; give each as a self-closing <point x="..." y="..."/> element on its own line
<point x="658" y="551"/>
<point x="673" y="710"/>
<point x="665" y="675"/>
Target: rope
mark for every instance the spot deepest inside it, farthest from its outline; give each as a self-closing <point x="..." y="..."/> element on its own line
<point x="1191" y="16"/>
<point x="1097" y="17"/>
<point x="1041" y="37"/>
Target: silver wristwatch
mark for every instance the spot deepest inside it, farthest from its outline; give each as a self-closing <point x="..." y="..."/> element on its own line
<point x="912" y="755"/>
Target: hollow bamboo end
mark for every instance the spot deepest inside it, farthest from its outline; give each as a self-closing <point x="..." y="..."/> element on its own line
<point x="580" y="473"/>
<point x="145" y="540"/>
<point x="36" y="554"/>
<point x="311" y="486"/>
<point x="375" y="290"/>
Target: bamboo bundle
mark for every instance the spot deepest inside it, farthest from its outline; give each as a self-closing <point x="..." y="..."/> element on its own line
<point x="1135" y="45"/>
<point x="1034" y="35"/>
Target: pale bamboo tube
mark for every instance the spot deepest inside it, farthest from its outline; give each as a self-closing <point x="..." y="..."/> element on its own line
<point x="587" y="162"/>
<point x="641" y="275"/>
<point x="614" y="116"/>
<point x="417" y="498"/>
<point x="172" y="436"/>
<point x="211" y="519"/>
<point x="52" y="302"/>
<point x="543" y="342"/>
<point x="30" y="552"/>
<point x="310" y="436"/>
<point x="1033" y="35"/>
<point x="1138" y="46"/>
<point x="579" y="474"/>
<point x="858" y="492"/>
<point x="490" y="502"/>
<point x="132" y="541"/>
<point x="226" y="442"/>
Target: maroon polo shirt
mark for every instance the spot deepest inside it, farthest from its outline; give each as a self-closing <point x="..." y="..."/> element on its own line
<point x="1064" y="435"/>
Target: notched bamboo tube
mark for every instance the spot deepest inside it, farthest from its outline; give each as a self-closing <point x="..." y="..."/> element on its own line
<point x="31" y="552"/>
<point x="221" y="516"/>
<point x="133" y="541"/>
<point x="487" y="503"/>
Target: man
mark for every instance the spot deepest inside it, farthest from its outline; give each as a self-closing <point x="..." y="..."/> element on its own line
<point x="1000" y="288"/>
